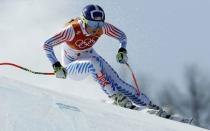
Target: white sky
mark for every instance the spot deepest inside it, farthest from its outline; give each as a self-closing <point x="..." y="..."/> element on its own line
<point x="163" y="36"/>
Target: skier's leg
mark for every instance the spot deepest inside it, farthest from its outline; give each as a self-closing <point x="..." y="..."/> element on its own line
<point x="80" y="65"/>
<point x="111" y="78"/>
<point x="83" y="66"/>
<point x="104" y="74"/>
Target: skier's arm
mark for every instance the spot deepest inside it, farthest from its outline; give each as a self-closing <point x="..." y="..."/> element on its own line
<point x="64" y="35"/>
<point x="116" y="33"/>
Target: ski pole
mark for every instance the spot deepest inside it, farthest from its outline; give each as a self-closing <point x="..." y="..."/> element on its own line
<point x="134" y="79"/>
<point x="25" y="69"/>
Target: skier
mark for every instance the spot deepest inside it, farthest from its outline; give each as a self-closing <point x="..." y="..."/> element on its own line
<point x="80" y="59"/>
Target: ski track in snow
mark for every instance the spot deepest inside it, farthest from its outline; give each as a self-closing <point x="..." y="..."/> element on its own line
<point x="28" y="108"/>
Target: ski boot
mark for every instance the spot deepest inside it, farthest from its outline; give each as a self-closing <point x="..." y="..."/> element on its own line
<point x="123" y="101"/>
<point x="158" y="111"/>
<point x="155" y="109"/>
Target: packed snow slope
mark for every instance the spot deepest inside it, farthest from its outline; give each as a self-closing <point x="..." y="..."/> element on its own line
<point x="28" y="108"/>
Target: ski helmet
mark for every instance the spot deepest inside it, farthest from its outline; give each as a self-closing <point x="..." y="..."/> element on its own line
<point x="93" y="13"/>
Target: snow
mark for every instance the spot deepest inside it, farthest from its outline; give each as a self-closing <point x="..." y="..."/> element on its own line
<point x="26" y="107"/>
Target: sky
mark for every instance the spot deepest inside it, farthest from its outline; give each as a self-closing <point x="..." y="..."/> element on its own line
<point x="164" y="36"/>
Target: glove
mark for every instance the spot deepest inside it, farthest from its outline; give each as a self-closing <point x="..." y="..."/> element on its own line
<point x="122" y="56"/>
<point x="59" y="70"/>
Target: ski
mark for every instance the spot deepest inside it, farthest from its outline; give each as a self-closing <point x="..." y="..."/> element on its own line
<point x="164" y="114"/>
<point x="159" y="113"/>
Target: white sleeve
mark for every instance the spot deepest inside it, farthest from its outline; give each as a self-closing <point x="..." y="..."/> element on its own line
<point x="116" y="33"/>
<point x="66" y="34"/>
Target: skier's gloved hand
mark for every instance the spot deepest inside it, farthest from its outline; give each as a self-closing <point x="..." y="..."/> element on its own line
<point x="122" y="56"/>
<point x="59" y="70"/>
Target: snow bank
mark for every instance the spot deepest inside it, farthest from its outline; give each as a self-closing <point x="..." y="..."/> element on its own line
<point x="28" y="108"/>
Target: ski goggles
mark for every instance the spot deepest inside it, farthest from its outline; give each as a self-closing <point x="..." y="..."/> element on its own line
<point x="93" y="24"/>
